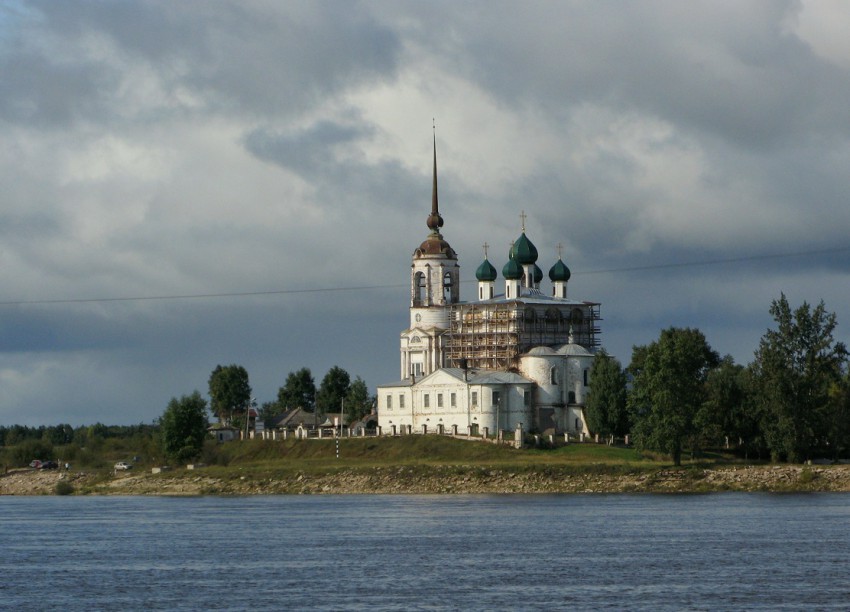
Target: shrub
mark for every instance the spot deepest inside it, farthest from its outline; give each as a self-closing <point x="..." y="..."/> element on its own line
<point x="63" y="487"/>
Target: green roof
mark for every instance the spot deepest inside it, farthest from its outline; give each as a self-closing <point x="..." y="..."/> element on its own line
<point x="559" y="272"/>
<point x="486" y="271"/>
<point x="524" y="251"/>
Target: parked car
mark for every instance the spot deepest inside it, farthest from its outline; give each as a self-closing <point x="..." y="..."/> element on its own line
<point x="35" y="463"/>
<point x="49" y="465"/>
<point x="122" y="465"/>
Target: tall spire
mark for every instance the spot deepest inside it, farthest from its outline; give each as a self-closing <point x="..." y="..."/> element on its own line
<point x="435" y="221"/>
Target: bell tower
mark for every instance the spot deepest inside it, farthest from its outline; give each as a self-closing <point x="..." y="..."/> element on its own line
<point x="434" y="287"/>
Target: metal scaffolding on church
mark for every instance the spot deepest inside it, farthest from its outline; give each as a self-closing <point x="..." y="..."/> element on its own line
<point x="494" y="335"/>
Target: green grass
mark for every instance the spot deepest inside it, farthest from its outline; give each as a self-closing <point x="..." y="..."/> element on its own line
<point x="320" y="455"/>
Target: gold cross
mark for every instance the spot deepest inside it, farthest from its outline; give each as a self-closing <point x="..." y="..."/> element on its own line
<point x="486" y="246"/>
<point x="522" y="216"/>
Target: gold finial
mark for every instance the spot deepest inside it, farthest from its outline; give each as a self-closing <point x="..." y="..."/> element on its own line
<point x="522" y="217"/>
<point x="486" y="246"/>
<point x="560" y="248"/>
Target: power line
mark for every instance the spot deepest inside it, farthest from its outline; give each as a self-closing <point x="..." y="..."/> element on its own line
<point x="200" y="296"/>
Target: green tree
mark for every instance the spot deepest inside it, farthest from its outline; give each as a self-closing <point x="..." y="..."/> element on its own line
<point x="183" y="427"/>
<point x="669" y="389"/>
<point x="358" y="402"/>
<point x="728" y="412"/>
<point x="299" y="391"/>
<point x="606" y="401"/>
<point x="333" y="390"/>
<point x="230" y="391"/>
<point x="796" y="369"/>
<point x="269" y="411"/>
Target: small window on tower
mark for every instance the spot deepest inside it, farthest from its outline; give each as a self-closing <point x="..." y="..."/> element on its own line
<point x="475" y="398"/>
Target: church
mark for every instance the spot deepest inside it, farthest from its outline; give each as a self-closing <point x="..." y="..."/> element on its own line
<point x="517" y="358"/>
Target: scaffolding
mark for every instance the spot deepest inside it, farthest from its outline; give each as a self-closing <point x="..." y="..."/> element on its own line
<point x="494" y="335"/>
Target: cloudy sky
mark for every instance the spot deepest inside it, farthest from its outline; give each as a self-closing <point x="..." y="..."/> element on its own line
<point x="186" y="184"/>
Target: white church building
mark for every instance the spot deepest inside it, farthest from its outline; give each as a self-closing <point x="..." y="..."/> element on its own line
<point x="522" y="356"/>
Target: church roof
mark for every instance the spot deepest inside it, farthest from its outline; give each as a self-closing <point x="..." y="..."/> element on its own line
<point x="574" y="350"/>
<point x="539" y="351"/>
<point x="512" y="270"/>
<point x="486" y="271"/>
<point x="559" y="272"/>
<point x="524" y="251"/>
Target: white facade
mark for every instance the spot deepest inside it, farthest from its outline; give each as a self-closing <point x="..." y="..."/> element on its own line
<point x="496" y="385"/>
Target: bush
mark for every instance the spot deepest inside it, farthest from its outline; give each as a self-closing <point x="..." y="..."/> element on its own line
<point x="63" y="487"/>
<point x="28" y="450"/>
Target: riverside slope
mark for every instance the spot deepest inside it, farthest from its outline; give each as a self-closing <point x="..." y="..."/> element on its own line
<point x="428" y="479"/>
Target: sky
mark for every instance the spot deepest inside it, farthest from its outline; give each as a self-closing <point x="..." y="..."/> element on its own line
<point x="194" y="183"/>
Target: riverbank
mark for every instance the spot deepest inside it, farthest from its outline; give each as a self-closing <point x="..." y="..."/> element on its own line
<point x="428" y="479"/>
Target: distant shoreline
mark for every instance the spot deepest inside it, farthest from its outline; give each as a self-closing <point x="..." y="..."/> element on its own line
<point x="429" y="479"/>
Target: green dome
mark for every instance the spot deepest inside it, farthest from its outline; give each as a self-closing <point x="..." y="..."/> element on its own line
<point x="537" y="274"/>
<point x="559" y="272"/>
<point x="486" y="271"/>
<point x="524" y="251"/>
<point x="512" y="270"/>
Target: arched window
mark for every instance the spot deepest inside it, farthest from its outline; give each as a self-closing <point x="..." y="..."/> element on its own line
<point x="418" y="288"/>
<point x="448" y="287"/>
<point x="553" y="375"/>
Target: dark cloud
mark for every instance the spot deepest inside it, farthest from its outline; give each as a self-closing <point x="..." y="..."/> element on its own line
<point x="207" y="147"/>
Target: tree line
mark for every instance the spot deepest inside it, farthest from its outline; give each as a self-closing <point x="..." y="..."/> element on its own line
<point x="791" y="403"/>
<point x="184" y="422"/>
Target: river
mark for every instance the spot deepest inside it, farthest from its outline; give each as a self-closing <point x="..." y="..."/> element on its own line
<point x="451" y="552"/>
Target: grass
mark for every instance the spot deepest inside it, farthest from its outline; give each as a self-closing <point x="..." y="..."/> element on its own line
<point x="267" y="458"/>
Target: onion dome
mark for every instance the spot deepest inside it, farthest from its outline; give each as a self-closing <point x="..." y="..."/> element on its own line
<point x="486" y="271"/>
<point x="524" y="251"/>
<point x="435" y="245"/>
<point x="537" y="274"/>
<point x="512" y="270"/>
<point x="559" y="272"/>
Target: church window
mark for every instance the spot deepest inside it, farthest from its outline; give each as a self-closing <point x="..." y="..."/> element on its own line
<point x="481" y="293"/>
<point x="497" y="398"/>
<point x="491" y="292"/>
<point x="453" y="400"/>
<point x="418" y="286"/>
<point x="585" y="377"/>
<point x="553" y="375"/>
<point x="447" y="286"/>
<point x="508" y="292"/>
<point x="526" y="398"/>
<point x="401" y="401"/>
<point x="417" y="369"/>
<point x="475" y="398"/>
<point x="426" y="400"/>
<point x="389" y="402"/>
<point x="439" y="400"/>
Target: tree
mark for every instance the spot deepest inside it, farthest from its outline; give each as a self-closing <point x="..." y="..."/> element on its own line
<point x="358" y="402"/>
<point x="796" y="369"/>
<point x="269" y="411"/>
<point x="299" y="391"/>
<point x="333" y="390"/>
<point x="230" y="391"/>
<point x="183" y="427"/>
<point x="606" y="401"/>
<point x="668" y="390"/>
<point x="728" y="411"/>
